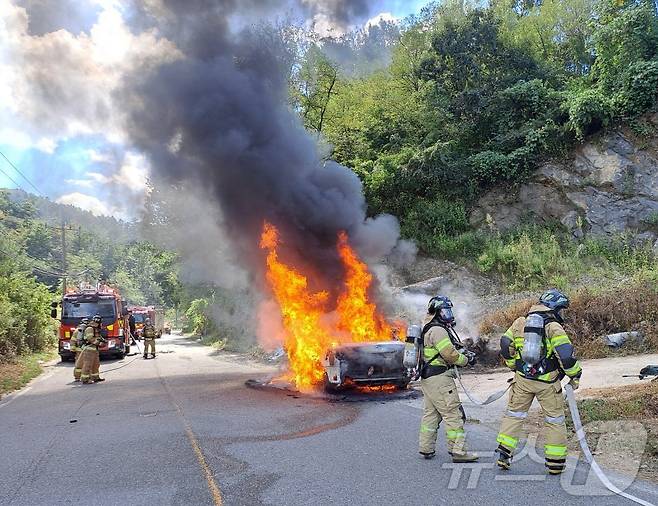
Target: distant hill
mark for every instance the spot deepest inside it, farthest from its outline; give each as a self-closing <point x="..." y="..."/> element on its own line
<point x="54" y="213"/>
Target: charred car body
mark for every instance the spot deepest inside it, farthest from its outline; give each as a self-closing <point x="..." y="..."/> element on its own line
<point x="366" y="364"/>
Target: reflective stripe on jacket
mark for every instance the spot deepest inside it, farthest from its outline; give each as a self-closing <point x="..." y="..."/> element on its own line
<point x="437" y="341"/>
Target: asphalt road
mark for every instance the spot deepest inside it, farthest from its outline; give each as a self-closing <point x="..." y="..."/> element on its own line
<point x="184" y="429"/>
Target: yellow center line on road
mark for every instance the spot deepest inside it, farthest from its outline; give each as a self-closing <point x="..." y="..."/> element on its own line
<point x="198" y="453"/>
<point x="210" y="479"/>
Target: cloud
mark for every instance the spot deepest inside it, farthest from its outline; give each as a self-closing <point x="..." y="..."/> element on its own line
<point x="387" y="17"/>
<point x="59" y="85"/>
<point x="133" y="173"/>
<point x="88" y="203"/>
<point x="335" y="17"/>
<point x="85" y="183"/>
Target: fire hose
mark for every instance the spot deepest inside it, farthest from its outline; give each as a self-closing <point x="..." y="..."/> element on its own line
<point x="493" y="397"/>
<point x="127" y="364"/>
<point x="456" y="340"/>
<point x="580" y="434"/>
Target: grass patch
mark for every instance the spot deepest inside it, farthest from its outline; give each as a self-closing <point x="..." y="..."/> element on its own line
<point x="534" y="257"/>
<point x="638" y="403"/>
<point x="634" y="402"/>
<point x="17" y="374"/>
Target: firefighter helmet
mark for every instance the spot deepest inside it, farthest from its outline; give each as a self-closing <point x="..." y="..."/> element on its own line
<point x="97" y="319"/>
<point x="554" y="299"/>
<point x="441" y="307"/>
<point x="85" y="320"/>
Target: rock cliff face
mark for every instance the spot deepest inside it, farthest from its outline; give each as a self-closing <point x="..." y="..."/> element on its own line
<point x="608" y="186"/>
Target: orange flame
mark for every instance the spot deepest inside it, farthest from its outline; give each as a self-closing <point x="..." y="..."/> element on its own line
<point x="357" y="315"/>
<point x="306" y="337"/>
<point x="309" y="332"/>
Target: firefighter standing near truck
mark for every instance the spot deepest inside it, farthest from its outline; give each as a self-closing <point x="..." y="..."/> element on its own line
<point x="149" y="334"/>
<point x="77" y="342"/>
<point x="538" y="349"/>
<point x="441" y="400"/>
<point x="132" y="326"/>
<point x="90" y="354"/>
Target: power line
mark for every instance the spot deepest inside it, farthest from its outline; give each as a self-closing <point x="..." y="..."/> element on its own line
<point x="21" y="174"/>
<point x="10" y="178"/>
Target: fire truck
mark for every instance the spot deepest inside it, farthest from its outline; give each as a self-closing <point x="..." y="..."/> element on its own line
<point x="87" y="301"/>
<point x="141" y="313"/>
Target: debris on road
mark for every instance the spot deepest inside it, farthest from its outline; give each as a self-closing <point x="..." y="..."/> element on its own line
<point x="650" y="370"/>
<point x="617" y="340"/>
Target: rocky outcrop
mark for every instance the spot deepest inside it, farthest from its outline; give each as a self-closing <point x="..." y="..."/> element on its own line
<point x="608" y="186"/>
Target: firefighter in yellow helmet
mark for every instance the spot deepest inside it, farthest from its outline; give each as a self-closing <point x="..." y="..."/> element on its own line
<point x="77" y="342"/>
<point x="539" y="350"/>
<point x="149" y="334"/>
<point x="90" y="353"/>
<point x="441" y="400"/>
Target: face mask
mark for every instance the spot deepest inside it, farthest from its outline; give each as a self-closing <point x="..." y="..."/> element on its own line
<point x="446" y="315"/>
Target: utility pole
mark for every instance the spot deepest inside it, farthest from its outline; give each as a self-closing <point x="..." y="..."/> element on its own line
<point x="64" y="266"/>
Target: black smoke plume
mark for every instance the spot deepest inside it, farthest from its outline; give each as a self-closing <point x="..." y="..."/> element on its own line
<point x="219" y="117"/>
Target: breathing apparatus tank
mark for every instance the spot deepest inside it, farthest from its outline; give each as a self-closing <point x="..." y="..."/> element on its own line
<point x="533" y="337"/>
<point x="411" y="345"/>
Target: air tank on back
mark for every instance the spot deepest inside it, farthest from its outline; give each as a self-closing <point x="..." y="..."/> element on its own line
<point x="411" y="346"/>
<point x="533" y="336"/>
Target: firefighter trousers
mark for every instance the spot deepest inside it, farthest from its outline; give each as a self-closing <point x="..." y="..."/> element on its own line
<point x="149" y="344"/>
<point x="441" y="402"/>
<point x="549" y="395"/>
<point x="90" y="365"/>
<point x="77" y="368"/>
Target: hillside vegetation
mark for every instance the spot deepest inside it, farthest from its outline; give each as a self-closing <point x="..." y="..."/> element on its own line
<point x="476" y="97"/>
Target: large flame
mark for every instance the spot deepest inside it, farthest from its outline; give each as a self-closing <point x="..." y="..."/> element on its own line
<point x="357" y="315"/>
<point x="309" y="330"/>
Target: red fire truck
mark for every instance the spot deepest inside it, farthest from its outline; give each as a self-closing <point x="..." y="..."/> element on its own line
<point x="141" y="313"/>
<point x="87" y="301"/>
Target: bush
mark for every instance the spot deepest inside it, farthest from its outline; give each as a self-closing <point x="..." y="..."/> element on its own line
<point x="25" y="325"/>
<point x="526" y="261"/>
<point x="640" y="89"/>
<point x="429" y="222"/>
<point x="589" y="111"/>
<point x="489" y="167"/>
<point x="198" y="320"/>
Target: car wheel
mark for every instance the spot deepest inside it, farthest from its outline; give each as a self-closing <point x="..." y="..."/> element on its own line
<point x="330" y="388"/>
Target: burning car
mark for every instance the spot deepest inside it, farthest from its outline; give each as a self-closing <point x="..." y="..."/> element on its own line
<point x="365" y="364"/>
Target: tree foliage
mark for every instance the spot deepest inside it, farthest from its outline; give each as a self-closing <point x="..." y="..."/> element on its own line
<point x="475" y="97"/>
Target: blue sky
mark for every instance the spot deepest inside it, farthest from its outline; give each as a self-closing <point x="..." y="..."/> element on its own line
<point x="67" y="150"/>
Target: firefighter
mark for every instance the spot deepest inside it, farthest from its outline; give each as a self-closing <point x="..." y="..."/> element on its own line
<point x="441" y="400"/>
<point x="538" y="349"/>
<point x="132" y="326"/>
<point x="149" y="335"/>
<point x="90" y="353"/>
<point x="77" y="342"/>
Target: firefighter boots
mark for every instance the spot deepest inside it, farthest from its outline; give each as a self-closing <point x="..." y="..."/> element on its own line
<point x="463" y="458"/>
<point x="504" y="458"/>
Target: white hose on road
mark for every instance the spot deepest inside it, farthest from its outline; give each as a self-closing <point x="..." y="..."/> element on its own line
<point x="493" y="397"/>
<point x="580" y="433"/>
